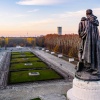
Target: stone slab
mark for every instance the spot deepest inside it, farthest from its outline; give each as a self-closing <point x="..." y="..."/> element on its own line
<point x="71" y="59"/>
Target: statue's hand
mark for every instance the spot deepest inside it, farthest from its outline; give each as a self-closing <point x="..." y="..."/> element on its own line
<point x="83" y="35"/>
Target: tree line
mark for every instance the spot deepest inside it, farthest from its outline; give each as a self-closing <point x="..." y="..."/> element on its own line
<point x="14" y="41"/>
<point x="66" y="44"/>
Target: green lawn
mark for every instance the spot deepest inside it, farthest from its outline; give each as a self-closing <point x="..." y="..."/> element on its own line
<point x="18" y="53"/>
<point x="15" y="53"/>
<point x="22" y="76"/>
<point x="18" y="66"/>
<point x="22" y="56"/>
<point x="19" y="72"/>
<point x="26" y="59"/>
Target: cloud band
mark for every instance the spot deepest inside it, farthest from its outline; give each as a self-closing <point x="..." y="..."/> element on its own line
<point x="40" y="2"/>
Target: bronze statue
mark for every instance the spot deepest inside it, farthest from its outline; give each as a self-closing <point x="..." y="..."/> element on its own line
<point x="88" y="65"/>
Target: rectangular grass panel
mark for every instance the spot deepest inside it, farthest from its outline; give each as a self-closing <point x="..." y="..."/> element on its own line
<point x="23" y="76"/>
<point x="22" y="59"/>
<point x="19" y="66"/>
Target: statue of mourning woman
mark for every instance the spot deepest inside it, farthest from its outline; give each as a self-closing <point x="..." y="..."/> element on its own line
<point x="88" y="67"/>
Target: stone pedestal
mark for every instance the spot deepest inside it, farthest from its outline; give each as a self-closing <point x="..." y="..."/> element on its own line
<point x="84" y="90"/>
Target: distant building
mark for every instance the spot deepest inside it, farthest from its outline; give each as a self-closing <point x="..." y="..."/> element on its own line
<point x="59" y="30"/>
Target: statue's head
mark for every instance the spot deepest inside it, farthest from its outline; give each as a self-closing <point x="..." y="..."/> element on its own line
<point x="83" y="18"/>
<point x="88" y="12"/>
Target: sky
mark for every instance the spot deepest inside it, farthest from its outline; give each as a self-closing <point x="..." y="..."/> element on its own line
<point x="22" y="18"/>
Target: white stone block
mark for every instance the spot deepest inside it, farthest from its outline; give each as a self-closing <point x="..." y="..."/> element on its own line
<point x="84" y="90"/>
<point x="71" y="59"/>
<point x="60" y="55"/>
<point x="43" y="49"/>
<point x="34" y="73"/>
<point x="52" y="53"/>
<point x="47" y="50"/>
<point x="28" y="64"/>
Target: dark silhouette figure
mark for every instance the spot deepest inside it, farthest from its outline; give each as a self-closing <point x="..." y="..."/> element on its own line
<point x="89" y="47"/>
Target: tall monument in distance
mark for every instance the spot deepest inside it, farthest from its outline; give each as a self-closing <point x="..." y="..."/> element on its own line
<point x="59" y="29"/>
<point x="86" y="84"/>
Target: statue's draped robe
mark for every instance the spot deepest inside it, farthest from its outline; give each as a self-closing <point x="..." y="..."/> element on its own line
<point x="98" y="52"/>
<point x="82" y="35"/>
<point x="89" y="45"/>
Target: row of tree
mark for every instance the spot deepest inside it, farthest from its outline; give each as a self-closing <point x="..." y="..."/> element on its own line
<point x="66" y="44"/>
<point x="14" y="41"/>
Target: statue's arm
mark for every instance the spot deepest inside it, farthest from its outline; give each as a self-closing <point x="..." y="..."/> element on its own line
<point x="81" y="31"/>
<point x="96" y="22"/>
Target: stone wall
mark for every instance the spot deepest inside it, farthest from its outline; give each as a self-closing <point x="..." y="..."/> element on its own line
<point x="4" y="69"/>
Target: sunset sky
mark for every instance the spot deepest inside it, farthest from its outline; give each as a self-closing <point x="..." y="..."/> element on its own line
<point x="41" y="17"/>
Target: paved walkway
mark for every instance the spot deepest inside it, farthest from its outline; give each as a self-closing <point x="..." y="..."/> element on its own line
<point x="58" y="62"/>
<point x="34" y="90"/>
